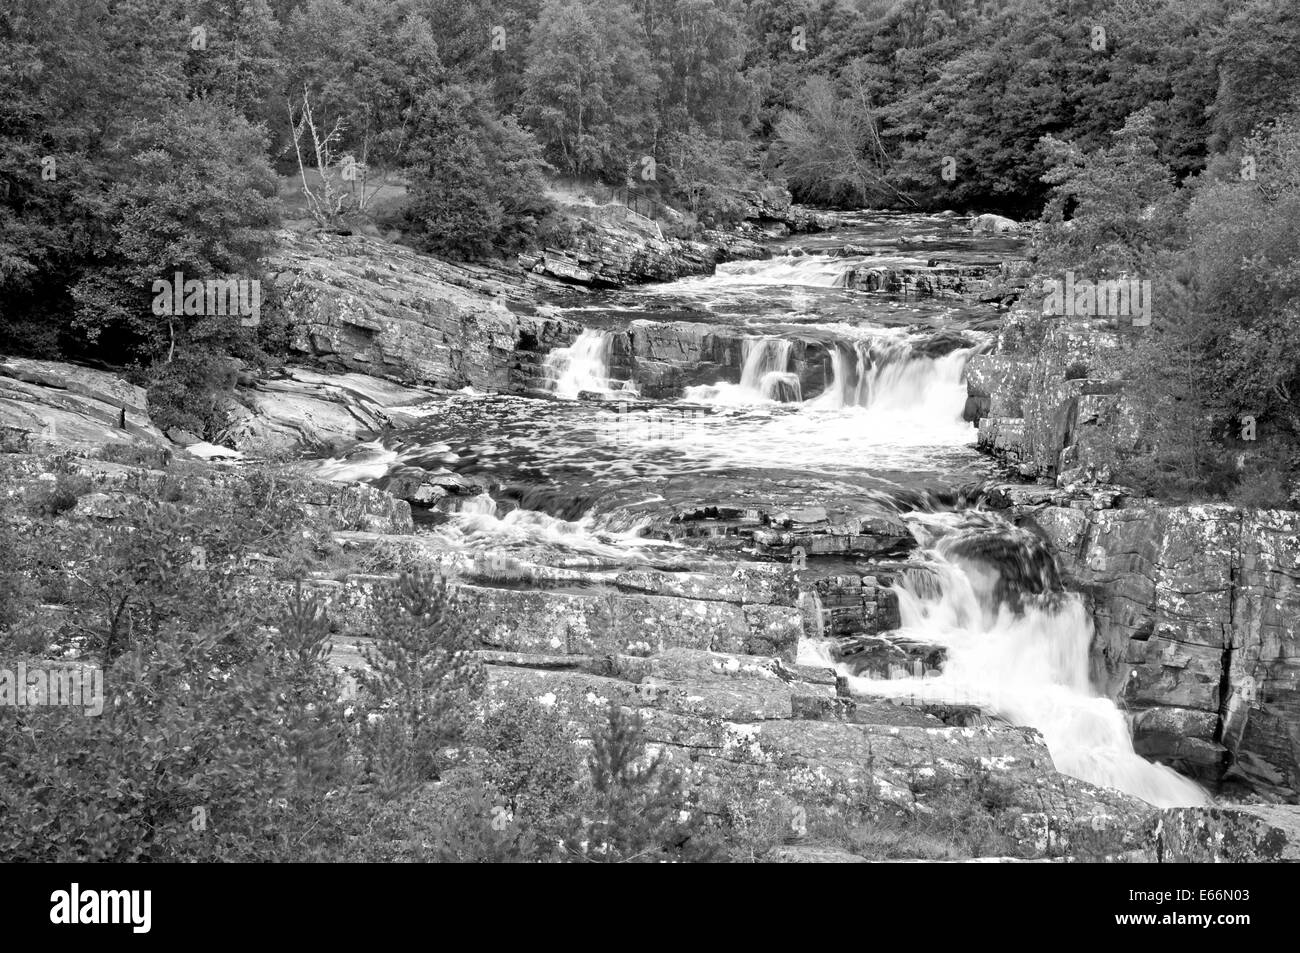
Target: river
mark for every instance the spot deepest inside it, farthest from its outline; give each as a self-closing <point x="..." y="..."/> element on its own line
<point x="797" y="388"/>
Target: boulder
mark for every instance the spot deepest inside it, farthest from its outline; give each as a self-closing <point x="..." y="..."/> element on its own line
<point x="990" y="224"/>
<point x="47" y="403"/>
<point x="1240" y="833"/>
<point x="306" y="409"/>
<point x="383" y="310"/>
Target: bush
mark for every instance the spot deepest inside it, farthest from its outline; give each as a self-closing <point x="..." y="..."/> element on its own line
<point x="58" y="496"/>
<point x="421" y="681"/>
<point x="1263" y="488"/>
<point x="476" y="179"/>
<point x="187" y="394"/>
<point x="532" y="763"/>
<point x="193" y="757"/>
<point x="634" y="810"/>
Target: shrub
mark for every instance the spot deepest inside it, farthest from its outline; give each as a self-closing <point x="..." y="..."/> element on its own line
<point x="1264" y="487"/>
<point x="421" y="680"/>
<point x="193" y="758"/>
<point x="59" y="496"/>
<point x="189" y="394"/>
<point x="476" y="179"/>
<point x="532" y="763"/>
<point x="633" y="811"/>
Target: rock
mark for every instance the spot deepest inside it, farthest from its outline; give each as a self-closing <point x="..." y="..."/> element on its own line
<point x="967" y="282"/>
<point x="1194" y="611"/>
<point x="104" y="505"/>
<point x="667" y="357"/>
<point x="807" y="514"/>
<point x="429" y="488"/>
<point x="383" y="310"/>
<point x="182" y="437"/>
<point x="748" y="583"/>
<point x="1197" y="631"/>
<point x="303" y="409"/>
<point x="44" y="403"/>
<point x="850" y="250"/>
<point x="47" y="404"/>
<point x="1069" y="424"/>
<point x="592" y="622"/>
<point x="855" y="605"/>
<point x="1237" y="834"/>
<point x="797" y="854"/>
<point x="941" y="344"/>
<point x="1182" y="735"/>
<point x="729" y="723"/>
<point x="989" y="224"/>
<point x="860" y="536"/>
<point x="617" y="246"/>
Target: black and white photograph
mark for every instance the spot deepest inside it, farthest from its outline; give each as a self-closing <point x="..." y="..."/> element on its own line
<point x="652" y="431"/>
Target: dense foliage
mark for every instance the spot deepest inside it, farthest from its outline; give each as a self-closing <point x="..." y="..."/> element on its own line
<point x="142" y="139"/>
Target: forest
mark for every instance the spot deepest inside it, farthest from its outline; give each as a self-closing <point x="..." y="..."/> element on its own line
<point x="406" y="166"/>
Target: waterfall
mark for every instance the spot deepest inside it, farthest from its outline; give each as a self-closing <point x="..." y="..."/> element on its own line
<point x="1019" y="652"/>
<point x="882" y="402"/>
<point x="885" y="375"/>
<point x="764" y="377"/>
<point x="766" y="373"/>
<point x="584" y="366"/>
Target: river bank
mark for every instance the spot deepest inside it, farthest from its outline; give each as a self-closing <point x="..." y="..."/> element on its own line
<point x="796" y="588"/>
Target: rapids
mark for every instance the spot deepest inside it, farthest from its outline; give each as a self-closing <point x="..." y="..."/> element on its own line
<point x="835" y="399"/>
<point x="1027" y="664"/>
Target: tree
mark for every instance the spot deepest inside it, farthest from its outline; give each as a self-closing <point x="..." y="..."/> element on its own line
<point x="1258" y="57"/>
<point x="709" y="173"/>
<point x="236" y="59"/>
<point x="830" y="147"/>
<point x="476" y="183"/>
<point x="196" y="197"/>
<point x="589" y="87"/>
<point x="363" y="64"/>
<point x="77" y="76"/>
<point x="1110" y="211"/>
<point x="698" y="49"/>
<point x="421" y="676"/>
<point x="635" y="802"/>
<point x="1244" y="253"/>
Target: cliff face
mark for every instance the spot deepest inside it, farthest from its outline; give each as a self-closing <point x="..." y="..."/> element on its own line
<point x="1047" y="399"/>
<point x="370" y="306"/>
<point x="1196" y="607"/>
<point x="1197" y="616"/>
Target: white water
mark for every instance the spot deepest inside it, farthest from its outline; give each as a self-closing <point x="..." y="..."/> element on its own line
<point x="883" y="376"/>
<point x="767" y="369"/>
<point x="765" y="377"/>
<point x="879" y="373"/>
<point x="533" y="532"/>
<point x="366" y="461"/>
<point x="1029" y="668"/>
<point x="584" y="366"/>
<point x="883" y="408"/>
<point x="817" y="271"/>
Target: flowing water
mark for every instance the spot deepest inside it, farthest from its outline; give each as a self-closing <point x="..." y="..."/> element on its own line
<point x="832" y="397"/>
<point x="1019" y="655"/>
